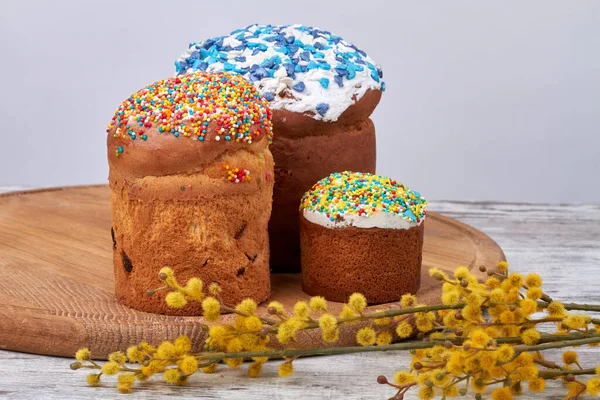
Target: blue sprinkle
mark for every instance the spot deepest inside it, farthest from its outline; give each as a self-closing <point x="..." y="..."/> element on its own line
<point x="176" y="134"/>
<point x="201" y="138"/>
<point x="276" y="59"/>
<point x="268" y="63"/>
<point x="120" y="148"/>
<point x="195" y="55"/>
<point x="293" y="48"/>
<point x="375" y="76"/>
<point x="359" y="67"/>
<point x="318" y="54"/>
<point x="144" y="137"/>
<point x="310" y="48"/>
<point x="254" y="67"/>
<point x="371" y="66"/>
<point x="200" y="65"/>
<point x="290" y="39"/>
<point x="341" y="71"/>
<point x="305" y="55"/>
<point x="255" y="51"/>
<point x="261" y="72"/>
<point x="228" y="66"/>
<point x="312" y="65"/>
<point x="324" y="82"/>
<point x="380" y="72"/>
<point x="318" y="46"/>
<point x="203" y="53"/>
<point x="289" y="67"/>
<point x="227" y="138"/>
<point x="240" y="59"/>
<point x="351" y="72"/>
<point x="298" y="68"/>
<point x="282" y="49"/>
<point x="359" y="61"/>
<point x="383" y="86"/>
<point x="180" y="67"/>
<point x="213" y="51"/>
<point x="322" y="108"/>
<point x="240" y="47"/>
<point x="208" y="43"/>
<point x="338" y="80"/>
<point x="299" y="87"/>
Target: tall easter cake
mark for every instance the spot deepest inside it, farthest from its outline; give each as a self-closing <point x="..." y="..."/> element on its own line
<point x="192" y="180"/>
<point x="322" y="90"/>
<point x="361" y="233"/>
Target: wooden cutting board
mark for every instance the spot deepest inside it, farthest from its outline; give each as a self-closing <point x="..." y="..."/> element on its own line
<point x="56" y="276"/>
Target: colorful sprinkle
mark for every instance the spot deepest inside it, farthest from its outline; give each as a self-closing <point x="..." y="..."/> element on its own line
<point x="192" y="104"/>
<point x="363" y="194"/>
<point x="237" y="175"/>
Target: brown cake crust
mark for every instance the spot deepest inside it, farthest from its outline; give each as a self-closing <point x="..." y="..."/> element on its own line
<point x="306" y="150"/>
<point x="211" y="229"/>
<point x="382" y="264"/>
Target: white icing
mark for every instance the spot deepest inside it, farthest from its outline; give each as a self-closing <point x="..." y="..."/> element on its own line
<point x="379" y="219"/>
<point x="337" y="98"/>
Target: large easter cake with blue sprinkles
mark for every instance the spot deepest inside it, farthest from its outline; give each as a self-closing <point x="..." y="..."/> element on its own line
<point x="322" y="90"/>
<point x="361" y="233"/>
<point x="192" y="182"/>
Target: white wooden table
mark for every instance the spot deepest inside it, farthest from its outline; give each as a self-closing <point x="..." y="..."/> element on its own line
<point x="560" y="242"/>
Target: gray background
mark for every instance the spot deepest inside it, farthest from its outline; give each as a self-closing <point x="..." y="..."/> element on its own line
<point x="486" y="100"/>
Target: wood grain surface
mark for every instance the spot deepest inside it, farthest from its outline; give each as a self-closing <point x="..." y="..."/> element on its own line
<point x="56" y="294"/>
<point x="560" y="242"/>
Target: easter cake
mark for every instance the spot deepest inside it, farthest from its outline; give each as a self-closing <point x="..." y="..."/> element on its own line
<point x="322" y="90"/>
<point x="192" y="181"/>
<point x="361" y="233"/>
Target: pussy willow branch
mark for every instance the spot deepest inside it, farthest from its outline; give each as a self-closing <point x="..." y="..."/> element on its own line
<point x="438" y="307"/>
<point x="550" y="343"/>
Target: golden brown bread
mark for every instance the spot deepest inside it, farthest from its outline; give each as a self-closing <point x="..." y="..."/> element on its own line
<point x="176" y="204"/>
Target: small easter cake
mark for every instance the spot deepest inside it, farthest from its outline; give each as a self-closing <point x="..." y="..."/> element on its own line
<point x="192" y="182"/>
<point x="322" y="90"/>
<point x="361" y="232"/>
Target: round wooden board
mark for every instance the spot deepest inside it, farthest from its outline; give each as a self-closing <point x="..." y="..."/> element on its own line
<point x="56" y="290"/>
